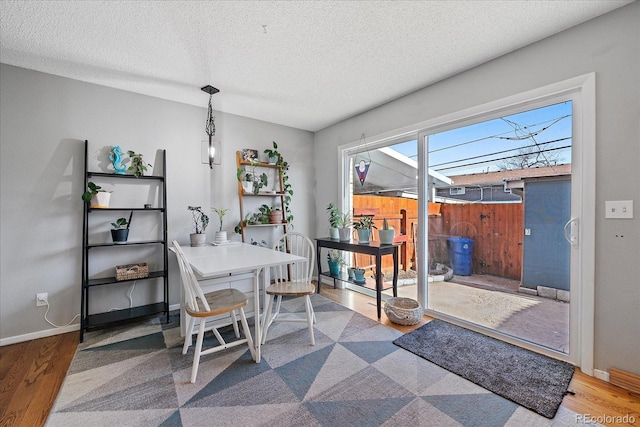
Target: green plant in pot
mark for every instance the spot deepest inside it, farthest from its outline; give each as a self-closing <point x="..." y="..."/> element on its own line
<point x="138" y="165"/>
<point x="358" y="273"/>
<point x="120" y="230"/>
<point x="344" y="227"/>
<point x="200" y="223"/>
<point x="334" y="218"/>
<point x="386" y="233"/>
<point x="284" y="175"/>
<point x="221" y="235"/>
<point x="250" y="181"/>
<point x="96" y="196"/>
<point x="335" y="261"/>
<point x="363" y="227"/>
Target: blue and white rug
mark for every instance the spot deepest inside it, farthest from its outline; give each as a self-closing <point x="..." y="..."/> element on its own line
<point x="136" y="375"/>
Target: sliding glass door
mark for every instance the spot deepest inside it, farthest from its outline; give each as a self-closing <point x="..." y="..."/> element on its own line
<point x="497" y="253"/>
<point x="503" y="240"/>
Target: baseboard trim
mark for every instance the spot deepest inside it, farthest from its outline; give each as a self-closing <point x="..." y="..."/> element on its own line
<point x="626" y="380"/>
<point x="601" y="375"/>
<point x="51" y="332"/>
<point x="40" y="334"/>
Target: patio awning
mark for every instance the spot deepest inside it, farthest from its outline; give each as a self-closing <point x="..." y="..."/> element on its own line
<point x="393" y="174"/>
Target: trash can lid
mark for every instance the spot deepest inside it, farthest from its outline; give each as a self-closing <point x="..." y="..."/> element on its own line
<point x="460" y="239"/>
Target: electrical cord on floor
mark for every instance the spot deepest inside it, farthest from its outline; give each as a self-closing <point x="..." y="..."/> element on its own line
<point x="129" y="296"/>
<point x="53" y="324"/>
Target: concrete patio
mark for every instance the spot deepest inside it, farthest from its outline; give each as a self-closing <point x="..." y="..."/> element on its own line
<point x="495" y="303"/>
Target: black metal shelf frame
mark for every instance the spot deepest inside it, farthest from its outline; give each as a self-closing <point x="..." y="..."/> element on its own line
<point x="95" y="320"/>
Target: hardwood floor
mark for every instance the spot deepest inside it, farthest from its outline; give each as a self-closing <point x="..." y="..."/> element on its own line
<point x="32" y="372"/>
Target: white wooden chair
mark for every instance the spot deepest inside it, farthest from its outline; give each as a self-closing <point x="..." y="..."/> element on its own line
<point x="203" y="306"/>
<point x="291" y="280"/>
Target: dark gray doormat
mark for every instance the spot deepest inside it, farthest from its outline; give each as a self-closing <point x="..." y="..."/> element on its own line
<point x="529" y="379"/>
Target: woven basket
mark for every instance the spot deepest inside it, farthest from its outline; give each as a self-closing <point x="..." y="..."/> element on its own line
<point x="132" y="271"/>
<point x="403" y="311"/>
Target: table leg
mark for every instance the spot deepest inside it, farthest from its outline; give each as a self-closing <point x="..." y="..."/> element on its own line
<point x="318" y="261"/>
<point x="395" y="272"/>
<point x="379" y="283"/>
<point x="256" y="314"/>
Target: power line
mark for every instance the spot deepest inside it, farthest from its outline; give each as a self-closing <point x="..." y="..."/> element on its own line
<point x="500" y="152"/>
<point x="498" y="159"/>
<point x="500" y="135"/>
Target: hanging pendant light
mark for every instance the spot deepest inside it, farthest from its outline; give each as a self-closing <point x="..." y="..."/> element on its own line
<point x="213" y="148"/>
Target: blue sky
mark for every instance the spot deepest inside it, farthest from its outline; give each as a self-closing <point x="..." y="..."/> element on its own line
<point x="478" y="148"/>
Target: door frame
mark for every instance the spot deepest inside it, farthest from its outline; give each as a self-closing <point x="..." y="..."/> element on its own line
<point x="581" y="90"/>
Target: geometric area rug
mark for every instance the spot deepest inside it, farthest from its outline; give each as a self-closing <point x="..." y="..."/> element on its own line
<point x="530" y="379"/>
<point x="136" y="375"/>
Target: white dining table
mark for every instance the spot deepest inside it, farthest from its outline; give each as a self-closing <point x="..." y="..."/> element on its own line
<point x="217" y="261"/>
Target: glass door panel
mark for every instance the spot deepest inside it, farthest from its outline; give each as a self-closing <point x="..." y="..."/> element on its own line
<point x="499" y="198"/>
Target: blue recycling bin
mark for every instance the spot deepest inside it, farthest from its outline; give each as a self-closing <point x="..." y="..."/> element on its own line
<point x="460" y="250"/>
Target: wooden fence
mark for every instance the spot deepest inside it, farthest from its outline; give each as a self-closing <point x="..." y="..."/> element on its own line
<point x="497" y="230"/>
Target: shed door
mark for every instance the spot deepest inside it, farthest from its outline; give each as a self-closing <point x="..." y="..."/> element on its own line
<point x="546" y="258"/>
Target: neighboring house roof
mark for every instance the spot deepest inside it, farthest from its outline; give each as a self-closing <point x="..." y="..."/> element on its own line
<point x="510" y="175"/>
<point x="495" y="187"/>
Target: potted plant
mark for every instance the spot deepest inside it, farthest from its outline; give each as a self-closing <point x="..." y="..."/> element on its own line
<point x="282" y="172"/>
<point x="120" y="230"/>
<point x="358" y="273"/>
<point x="200" y="223"/>
<point x="363" y="226"/>
<point x="272" y="154"/>
<point x="138" y="166"/>
<point x="260" y="217"/>
<point x="386" y="233"/>
<point x="221" y="236"/>
<point x="344" y="227"/>
<point x="275" y="216"/>
<point x="334" y="218"/>
<point x="250" y="181"/>
<point x="335" y="261"/>
<point x="96" y="196"/>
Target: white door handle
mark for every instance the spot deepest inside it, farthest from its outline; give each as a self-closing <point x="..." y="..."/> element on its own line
<point x="571" y="231"/>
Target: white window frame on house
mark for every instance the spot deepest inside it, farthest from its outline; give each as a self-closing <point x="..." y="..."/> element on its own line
<point x="457" y="191"/>
<point x="581" y="91"/>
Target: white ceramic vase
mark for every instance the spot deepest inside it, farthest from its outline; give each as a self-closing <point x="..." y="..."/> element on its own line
<point x="221" y="237"/>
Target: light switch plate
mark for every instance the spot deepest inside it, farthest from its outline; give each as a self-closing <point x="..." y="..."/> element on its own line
<point x="619" y="209"/>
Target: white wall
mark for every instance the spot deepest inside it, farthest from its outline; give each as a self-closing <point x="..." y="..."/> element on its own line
<point x="608" y="45"/>
<point x="44" y="121"/>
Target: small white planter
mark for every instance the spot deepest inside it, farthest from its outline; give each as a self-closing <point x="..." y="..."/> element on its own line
<point x="344" y="234"/>
<point x="247" y="186"/>
<point x="100" y="200"/>
<point x="221" y="237"/>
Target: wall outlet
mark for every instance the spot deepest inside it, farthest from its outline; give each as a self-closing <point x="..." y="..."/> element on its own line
<point x="42" y="299"/>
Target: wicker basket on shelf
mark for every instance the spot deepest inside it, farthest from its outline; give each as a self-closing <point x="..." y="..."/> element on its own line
<point x="403" y="311"/>
<point x="132" y="271"/>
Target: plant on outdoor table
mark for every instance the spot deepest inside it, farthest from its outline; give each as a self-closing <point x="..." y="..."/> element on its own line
<point x="364" y="223"/>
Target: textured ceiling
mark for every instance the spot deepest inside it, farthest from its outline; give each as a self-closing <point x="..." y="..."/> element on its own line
<point x="305" y="64"/>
